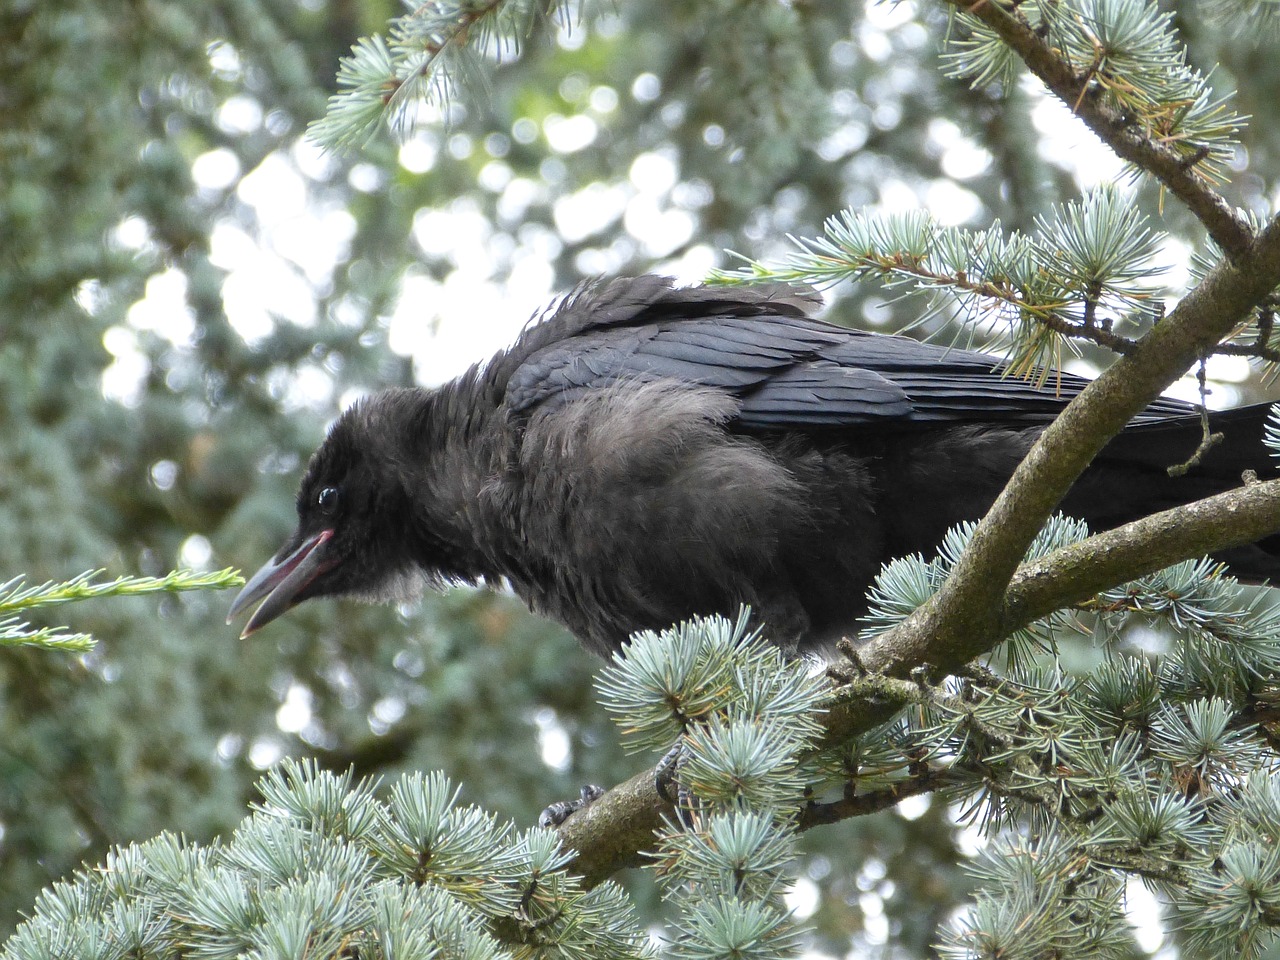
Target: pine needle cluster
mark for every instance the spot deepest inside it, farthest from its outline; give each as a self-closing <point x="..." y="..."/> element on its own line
<point x="427" y="54"/>
<point x="1133" y="60"/>
<point x="741" y="717"/>
<point x="325" y="867"/>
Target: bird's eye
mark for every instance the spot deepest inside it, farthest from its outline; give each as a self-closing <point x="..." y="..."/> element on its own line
<point x="327" y="499"/>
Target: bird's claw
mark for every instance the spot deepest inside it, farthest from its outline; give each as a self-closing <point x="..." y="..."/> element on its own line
<point x="558" y="813"/>
<point x="666" y="781"/>
<point x="665" y="774"/>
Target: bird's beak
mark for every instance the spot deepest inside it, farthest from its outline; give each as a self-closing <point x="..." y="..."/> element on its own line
<point x="280" y="581"/>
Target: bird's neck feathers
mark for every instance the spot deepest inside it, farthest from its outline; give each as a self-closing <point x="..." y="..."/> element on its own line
<point x="448" y="453"/>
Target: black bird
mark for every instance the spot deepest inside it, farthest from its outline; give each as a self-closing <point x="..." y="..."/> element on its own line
<point x="643" y="454"/>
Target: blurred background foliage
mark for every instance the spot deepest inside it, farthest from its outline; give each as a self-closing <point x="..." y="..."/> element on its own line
<point x="190" y="291"/>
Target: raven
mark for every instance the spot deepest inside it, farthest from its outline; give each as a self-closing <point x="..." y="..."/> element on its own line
<point x="644" y="453"/>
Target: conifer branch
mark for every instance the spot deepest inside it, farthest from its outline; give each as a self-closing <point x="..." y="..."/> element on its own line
<point x="979" y="605"/>
<point x="1075" y="573"/>
<point x="16" y="599"/>
<point x="426" y="53"/>
<point x="1074" y="87"/>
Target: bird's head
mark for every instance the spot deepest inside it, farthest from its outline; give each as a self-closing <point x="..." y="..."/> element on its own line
<point x="353" y="524"/>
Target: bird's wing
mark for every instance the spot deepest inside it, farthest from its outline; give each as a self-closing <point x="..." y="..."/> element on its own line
<point x="787" y="370"/>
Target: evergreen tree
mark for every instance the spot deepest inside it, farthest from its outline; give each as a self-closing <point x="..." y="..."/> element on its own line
<point x="1085" y="712"/>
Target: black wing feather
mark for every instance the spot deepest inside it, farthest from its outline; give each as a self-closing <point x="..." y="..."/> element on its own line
<point x="786" y="369"/>
<point x="820" y="393"/>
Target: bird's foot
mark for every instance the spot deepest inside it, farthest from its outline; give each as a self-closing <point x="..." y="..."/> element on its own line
<point x="558" y="813"/>
<point x="666" y="781"/>
<point x="665" y="774"/>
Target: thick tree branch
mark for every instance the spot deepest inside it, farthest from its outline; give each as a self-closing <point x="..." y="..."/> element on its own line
<point x="1228" y="228"/>
<point x="1076" y="573"/>
<point x="984" y="601"/>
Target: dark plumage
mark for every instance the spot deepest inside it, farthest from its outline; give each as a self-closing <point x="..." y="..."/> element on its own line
<point x="643" y="454"/>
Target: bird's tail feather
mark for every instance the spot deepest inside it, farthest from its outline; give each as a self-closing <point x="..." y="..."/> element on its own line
<point x="1131" y="476"/>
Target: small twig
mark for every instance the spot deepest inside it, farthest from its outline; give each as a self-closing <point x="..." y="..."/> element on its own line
<point x="1097" y="333"/>
<point x="1208" y="439"/>
<point x="1151" y="868"/>
<point x="854" y="669"/>
<point x="897" y="264"/>
<point x="983" y="675"/>
<point x="1266" y="319"/>
<point x="1091" y="295"/>
<point x="859" y="805"/>
<point x="1268" y="354"/>
<point x="1195" y="156"/>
